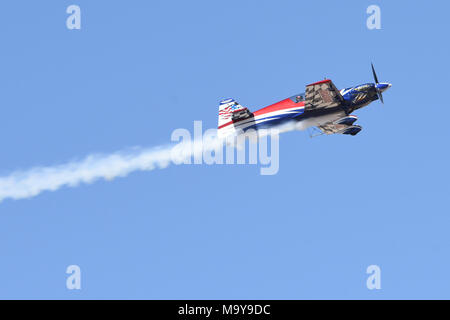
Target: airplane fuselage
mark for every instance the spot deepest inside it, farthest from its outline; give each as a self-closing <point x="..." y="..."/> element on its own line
<point x="294" y="109"/>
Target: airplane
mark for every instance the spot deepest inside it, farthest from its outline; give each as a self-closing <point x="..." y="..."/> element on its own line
<point x="322" y="106"/>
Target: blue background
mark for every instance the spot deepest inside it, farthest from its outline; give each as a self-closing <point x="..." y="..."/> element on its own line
<point x="137" y="70"/>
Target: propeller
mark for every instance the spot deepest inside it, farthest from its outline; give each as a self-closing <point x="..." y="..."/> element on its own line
<point x="376" y="82"/>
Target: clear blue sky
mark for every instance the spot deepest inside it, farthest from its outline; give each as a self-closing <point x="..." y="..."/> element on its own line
<point x="137" y="70"/>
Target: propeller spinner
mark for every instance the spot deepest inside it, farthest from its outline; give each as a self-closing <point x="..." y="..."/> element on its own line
<point x="380" y="87"/>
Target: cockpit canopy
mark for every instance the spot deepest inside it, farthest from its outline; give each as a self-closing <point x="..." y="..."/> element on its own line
<point x="298" y="97"/>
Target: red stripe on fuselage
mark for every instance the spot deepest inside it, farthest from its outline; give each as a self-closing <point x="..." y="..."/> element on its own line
<point x="283" y="104"/>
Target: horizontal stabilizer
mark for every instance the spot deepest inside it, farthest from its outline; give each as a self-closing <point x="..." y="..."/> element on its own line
<point x="231" y="112"/>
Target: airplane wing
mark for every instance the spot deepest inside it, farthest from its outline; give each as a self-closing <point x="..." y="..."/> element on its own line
<point x="343" y="126"/>
<point x="322" y="94"/>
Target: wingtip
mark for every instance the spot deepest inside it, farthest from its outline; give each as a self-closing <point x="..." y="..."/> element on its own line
<point x="319" y="82"/>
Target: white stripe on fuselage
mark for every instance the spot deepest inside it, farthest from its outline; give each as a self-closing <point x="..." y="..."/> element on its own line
<point x="302" y="124"/>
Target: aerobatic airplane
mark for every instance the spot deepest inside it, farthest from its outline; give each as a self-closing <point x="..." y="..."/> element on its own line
<point x="322" y="106"/>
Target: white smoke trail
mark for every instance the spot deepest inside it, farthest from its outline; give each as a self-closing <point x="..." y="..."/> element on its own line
<point x="26" y="184"/>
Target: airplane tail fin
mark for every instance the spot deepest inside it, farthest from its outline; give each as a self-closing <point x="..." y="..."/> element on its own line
<point x="226" y="109"/>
